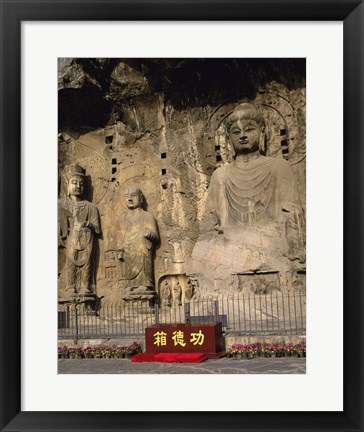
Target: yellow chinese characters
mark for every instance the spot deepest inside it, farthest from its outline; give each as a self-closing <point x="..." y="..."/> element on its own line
<point x="160" y="338"/>
<point x="178" y="338"/>
<point x="197" y="338"/>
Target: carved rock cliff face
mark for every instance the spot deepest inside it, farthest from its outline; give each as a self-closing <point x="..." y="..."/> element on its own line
<point x="159" y="124"/>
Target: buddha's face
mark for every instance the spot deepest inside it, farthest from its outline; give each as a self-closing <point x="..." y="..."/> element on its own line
<point x="245" y="135"/>
<point x="76" y="186"/>
<point x="133" y="198"/>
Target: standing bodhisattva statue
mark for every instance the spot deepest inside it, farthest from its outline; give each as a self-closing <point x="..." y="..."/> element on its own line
<point x="138" y="237"/>
<point x="78" y="226"/>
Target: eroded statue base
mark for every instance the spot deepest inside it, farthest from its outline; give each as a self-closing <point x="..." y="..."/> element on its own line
<point x="87" y="300"/>
<point x="142" y="298"/>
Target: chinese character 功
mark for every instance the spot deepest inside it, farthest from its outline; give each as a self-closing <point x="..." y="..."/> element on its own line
<point x="178" y="337"/>
<point x="197" y="338"/>
<point x="160" y="338"/>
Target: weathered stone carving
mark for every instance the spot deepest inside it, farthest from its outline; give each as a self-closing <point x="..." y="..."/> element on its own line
<point x="137" y="240"/>
<point x="170" y="147"/>
<point x="78" y="229"/>
<point x="177" y="294"/>
<point x="188" y="292"/>
<point x="253" y="217"/>
<point x="294" y="229"/>
<point x="259" y="283"/>
<point x="298" y="279"/>
<point x="175" y="290"/>
<point x="253" y="188"/>
<point x="165" y="294"/>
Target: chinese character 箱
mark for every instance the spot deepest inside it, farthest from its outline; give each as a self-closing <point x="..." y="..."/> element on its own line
<point x="178" y="337"/>
<point x="197" y="338"/>
<point x="160" y="338"/>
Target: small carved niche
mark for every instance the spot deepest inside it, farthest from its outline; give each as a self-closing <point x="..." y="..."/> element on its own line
<point x="174" y="290"/>
<point x="258" y="282"/>
<point x="111" y="269"/>
<point x="111" y="273"/>
<point x="298" y="279"/>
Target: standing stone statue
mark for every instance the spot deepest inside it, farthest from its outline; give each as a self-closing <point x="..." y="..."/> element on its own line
<point x="177" y="294"/>
<point x="253" y="219"/>
<point x="165" y="294"/>
<point x="78" y="228"/>
<point x="188" y="292"/>
<point x="138" y="238"/>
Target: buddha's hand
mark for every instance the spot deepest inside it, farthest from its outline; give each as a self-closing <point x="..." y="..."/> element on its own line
<point x="87" y="224"/>
<point x="147" y="234"/>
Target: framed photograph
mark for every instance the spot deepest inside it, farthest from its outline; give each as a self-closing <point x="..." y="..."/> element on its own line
<point x="234" y="57"/>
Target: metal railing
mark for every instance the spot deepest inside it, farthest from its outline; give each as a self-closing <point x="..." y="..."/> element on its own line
<point x="240" y="313"/>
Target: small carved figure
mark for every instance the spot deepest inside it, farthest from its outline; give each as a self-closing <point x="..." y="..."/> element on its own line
<point x="188" y="292"/>
<point x="165" y="294"/>
<point x="138" y="237"/>
<point x="78" y="227"/>
<point x="293" y="230"/>
<point x="177" y="294"/>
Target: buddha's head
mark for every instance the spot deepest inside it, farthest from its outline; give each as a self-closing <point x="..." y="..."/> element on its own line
<point x="246" y="129"/>
<point x="134" y="197"/>
<point x="74" y="176"/>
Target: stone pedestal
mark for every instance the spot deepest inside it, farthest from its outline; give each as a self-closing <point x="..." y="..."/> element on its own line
<point x="87" y="300"/>
<point x="141" y="298"/>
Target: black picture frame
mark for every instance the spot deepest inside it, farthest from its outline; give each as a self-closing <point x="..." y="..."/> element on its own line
<point x="351" y="13"/>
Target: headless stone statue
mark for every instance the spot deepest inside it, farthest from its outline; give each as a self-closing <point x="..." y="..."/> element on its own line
<point x="138" y="237"/>
<point x="253" y="217"/>
<point x="78" y="227"/>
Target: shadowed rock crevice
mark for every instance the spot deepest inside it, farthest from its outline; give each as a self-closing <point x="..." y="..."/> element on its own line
<point x="82" y="110"/>
<point x="93" y="91"/>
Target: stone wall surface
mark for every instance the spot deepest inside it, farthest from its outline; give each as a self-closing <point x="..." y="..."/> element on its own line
<point x="159" y="124"/>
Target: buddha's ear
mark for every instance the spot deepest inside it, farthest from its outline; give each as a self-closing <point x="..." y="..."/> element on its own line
<point x="262" y="143"/>
<point x="230" y="146"/>
<point x="65" y="184"/>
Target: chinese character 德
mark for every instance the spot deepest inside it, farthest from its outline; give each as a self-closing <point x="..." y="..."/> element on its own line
<point x="197" y="338"/>
<point x="160" y="338"/>
<point x="178" y="337"/>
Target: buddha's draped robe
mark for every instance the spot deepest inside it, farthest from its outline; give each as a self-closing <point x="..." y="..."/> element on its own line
<point x="78" y="241"/>
<point x="137" y="262"/>
<point x="245" y="193"/>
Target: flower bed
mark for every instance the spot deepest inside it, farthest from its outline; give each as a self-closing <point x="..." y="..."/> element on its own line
<point x="275" y="349"/>
<point x="100" y="351"/>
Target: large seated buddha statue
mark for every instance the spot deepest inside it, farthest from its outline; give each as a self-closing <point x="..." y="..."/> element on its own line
<point x="253" y="221"/>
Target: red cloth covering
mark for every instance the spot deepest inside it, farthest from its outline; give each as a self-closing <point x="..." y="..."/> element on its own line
<point x="169" y="357"/>
<point x="166" y="357"/>
<point x="143" y="357"/>
<point x="191" y="358"/>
